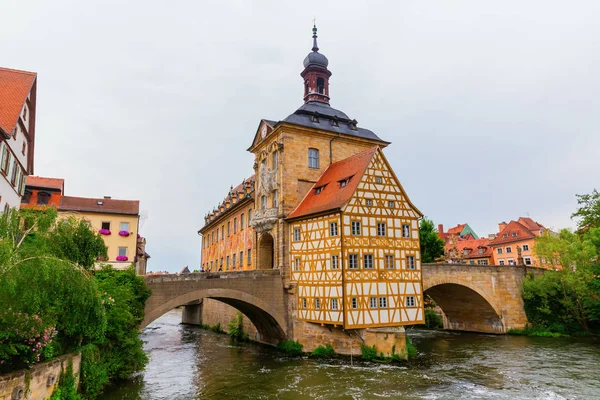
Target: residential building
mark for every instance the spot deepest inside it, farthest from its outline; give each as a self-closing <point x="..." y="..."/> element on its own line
<point x="42" y="192"/>
<point x="516" y="240"/>
<point x="326" y="208"/>
<point x="462" y="231"/>
<point x="116" y="220"/>
<point x="17" y="133"/>
<point x="469" y="251"/>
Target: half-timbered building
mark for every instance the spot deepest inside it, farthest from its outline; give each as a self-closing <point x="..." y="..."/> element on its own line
<point x="330" y="213"/>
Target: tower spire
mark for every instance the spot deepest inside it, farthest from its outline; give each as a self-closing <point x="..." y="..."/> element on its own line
<point x="315" y="47"/>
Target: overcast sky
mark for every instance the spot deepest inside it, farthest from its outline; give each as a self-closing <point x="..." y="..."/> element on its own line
<point x="492" y="108"/>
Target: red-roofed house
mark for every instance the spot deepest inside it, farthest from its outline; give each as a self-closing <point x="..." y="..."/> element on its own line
<point x="326" y="209"/>
<point x="462" y="231"/>
<point x="17" y="133"/>
<point x="470" y="251"/>
<point x="517" y="236"/>
<point x="42" y="192"/>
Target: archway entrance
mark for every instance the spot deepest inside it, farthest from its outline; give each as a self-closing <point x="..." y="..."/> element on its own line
<point x="265" y="252"/>
<point x="465" y="309"/>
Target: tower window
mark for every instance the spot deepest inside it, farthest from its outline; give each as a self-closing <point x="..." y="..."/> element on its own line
<point x="275" y="160"/>
<point x="313" y="158"/>
<point x="321" y="85"/>
<point x="263" y="202"/>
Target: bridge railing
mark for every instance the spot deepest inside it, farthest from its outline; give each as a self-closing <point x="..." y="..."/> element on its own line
<point x="195" y="276"/>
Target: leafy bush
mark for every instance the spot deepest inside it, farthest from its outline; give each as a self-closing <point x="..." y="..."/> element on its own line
<point x="534" y="332"/>
<point x="235" y="328"/>
<point x="368" y="353"/>
<point x="433" y="319"/>
<point x="411" y="349"/>
<point x="290" y="347"/>
<point x="324" y="351"/>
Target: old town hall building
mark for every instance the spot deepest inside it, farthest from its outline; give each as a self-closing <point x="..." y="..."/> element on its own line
<point x="325" y="207"/>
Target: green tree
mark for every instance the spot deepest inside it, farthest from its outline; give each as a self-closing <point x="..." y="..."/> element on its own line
<point x="588" y="213"/>
<point x="432" y="246"/>
<point x="567" y="300"/>
<point x="74" y="239"/>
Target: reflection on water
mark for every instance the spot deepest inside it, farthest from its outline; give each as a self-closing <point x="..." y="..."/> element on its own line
<point x="191" y="363"/>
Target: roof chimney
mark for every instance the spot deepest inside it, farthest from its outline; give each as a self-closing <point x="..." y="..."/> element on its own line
<point x="501" y="226"/>
<point x="441" y="229"/>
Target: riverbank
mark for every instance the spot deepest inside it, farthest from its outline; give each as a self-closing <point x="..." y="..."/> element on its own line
<point x="188" y="362"/>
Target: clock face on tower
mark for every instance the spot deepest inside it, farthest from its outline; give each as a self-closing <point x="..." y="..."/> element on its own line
<point x="263" y="131"/>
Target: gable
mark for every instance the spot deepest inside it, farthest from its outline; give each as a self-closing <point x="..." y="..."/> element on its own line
<point x="380" y="184"/>
<point x="332" y="194"/>
<point x="265" y="127"/>
<point x="15" y="87"/>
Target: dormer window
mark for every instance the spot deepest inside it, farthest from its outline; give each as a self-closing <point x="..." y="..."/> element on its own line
<point x="319" y="189"/>
<point x="353" y="124"/>
<point x="505" y="235"/>
<point x="465" y="252"/>
<point x="314" y="118"/>
<point x="343" y="183"/>
<point x="334" y="121"/>
<point x="480" y="250"/>
<point x="514" y="234"/>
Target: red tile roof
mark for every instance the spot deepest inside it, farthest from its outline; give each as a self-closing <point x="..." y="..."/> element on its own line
<point x="332" y="195"/>
<point x="513" y="232"/>
<point x="48" y="183"/>
<point x="473" y="245"/>
<point x="457" y="229"/>
<point x="105" y="206"/>
<point x="15" y="86"/>
<point x="530" y="224"/>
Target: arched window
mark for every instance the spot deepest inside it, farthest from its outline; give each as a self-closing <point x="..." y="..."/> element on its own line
<point x="43" y="198"/>
<point x="321" y="85"/>
<point x="305" y="87"/>
<point x="313" y="158"/>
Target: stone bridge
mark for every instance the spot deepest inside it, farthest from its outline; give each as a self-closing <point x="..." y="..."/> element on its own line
<point x="478" y="298"/>
<point x="473" y="298"/>
<point x="259" y="295"/>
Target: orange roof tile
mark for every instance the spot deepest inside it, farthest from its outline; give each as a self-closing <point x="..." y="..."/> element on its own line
<point x="48" y="183"/>
<point x="105" y="206"/>
<point x="513" y="232"/>
<point x="332" y="195"/>
<point x="457" y="229"/>
<point x="530" y="224"/>
<point x="473" y="245"/>
<point x="15" y="86"/>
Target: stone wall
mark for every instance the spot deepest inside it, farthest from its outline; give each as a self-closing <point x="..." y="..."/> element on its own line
<point x="43" y="379"/>
<point x="216" y="312"/>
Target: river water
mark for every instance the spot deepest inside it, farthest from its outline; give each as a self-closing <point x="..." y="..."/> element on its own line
<point x="191" y="363"/>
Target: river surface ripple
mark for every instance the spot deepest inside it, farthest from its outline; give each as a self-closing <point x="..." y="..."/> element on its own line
<point x="191" y="363"/>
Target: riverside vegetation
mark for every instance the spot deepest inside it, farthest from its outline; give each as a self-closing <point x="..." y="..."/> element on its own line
<point x="567" y="301"/>
<point x="53" y="302"/>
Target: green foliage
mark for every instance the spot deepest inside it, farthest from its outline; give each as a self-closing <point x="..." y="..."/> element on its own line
<point x="432" y="246"/>
<point x="433" y="319"/>
<point x="290" y="347"/>
<point x="119" y="354"/>
<point x="566" y="301"/>
<point x="75" y="240"/>
<point x="411" y="349"/>
<point x="368" y="353"/>
<point x="66" y="385"/>
<point x="235" y="328"/>
<point x="534" y="332"/>
<point x="588" y="213"/>
<point x="51" y="304"/>
<point x="324" y="351"/>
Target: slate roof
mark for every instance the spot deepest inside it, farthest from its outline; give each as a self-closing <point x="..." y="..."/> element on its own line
<point x="322" y="116"/>
<point x="15" y="86"/>
<point x="45" y="183"/>
<point x="333" y="196"/>
<point x="105" y="206"/>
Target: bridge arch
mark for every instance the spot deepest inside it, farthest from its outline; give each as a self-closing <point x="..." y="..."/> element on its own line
<point x="264" y="317"/>
<point x="465" y="308"/>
